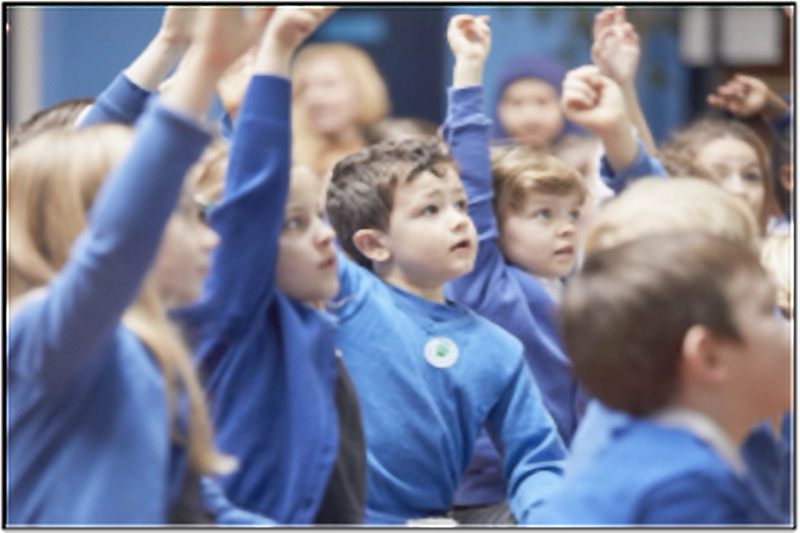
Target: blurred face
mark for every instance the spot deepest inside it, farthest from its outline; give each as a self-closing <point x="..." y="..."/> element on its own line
<point x="735" y="163"/>
<point x="529" y="111"/>
<point x="306" y="267"/>
<point x="328" y="96"/>
<point x="430" y="237"/>
<point x="183" y="257"/>
<point x="541" y="237"/>
<point x="761" y="368"/>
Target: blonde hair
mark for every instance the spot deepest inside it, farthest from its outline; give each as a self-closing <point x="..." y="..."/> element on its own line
<point x="308" y="146"/>
<point x="207" y="177"/>
<point x="51" y="184"/>
<point x="655" y="205"/>
<point x="777" y="252"/>
<point x="519" y="171"/>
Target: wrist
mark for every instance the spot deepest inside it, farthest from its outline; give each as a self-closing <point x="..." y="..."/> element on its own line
<point x="619" y="144"/>
<point x="273" y="58"/>
<point x="774" y="107"/>
<point x="467" y="72"/>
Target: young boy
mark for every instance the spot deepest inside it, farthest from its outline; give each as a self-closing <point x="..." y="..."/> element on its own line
<point x="653" y="205"/>
<point x="537" y="199"/>
<point x="688" y="344"/>
<point x="428" y="372"/>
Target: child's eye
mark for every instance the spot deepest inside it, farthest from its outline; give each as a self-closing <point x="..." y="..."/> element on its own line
<point x="574" y="215"/>
<point x="543" y="213"/>
<point x="429" y="210"/>
<point x="752" y="176"/>
<point x="461" y="205"/>
<point x="292" y="224"/>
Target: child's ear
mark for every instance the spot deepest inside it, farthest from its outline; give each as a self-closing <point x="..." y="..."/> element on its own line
<point x="371" y="243"/>
<point x="702" y="361"/>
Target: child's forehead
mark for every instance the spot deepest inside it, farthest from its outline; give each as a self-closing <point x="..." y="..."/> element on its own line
<point x="427" y="181"/>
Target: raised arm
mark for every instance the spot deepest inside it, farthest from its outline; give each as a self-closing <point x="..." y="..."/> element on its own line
<point x="84" y="302"/>
<point x="125" y="98"/>
<point x="616" y="52"/>
<point x="745" y="96"/>
<point x="596" y="102"/>
<point x="249" y="217"/>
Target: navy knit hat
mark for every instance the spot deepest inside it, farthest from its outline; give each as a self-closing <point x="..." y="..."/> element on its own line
<point x="542" y="68"/>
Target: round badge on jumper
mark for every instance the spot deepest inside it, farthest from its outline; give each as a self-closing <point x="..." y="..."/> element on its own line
<point x="441" y="352"/>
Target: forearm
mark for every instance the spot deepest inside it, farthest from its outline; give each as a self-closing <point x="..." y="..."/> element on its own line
<point x="619" y="144"/>
<point x="248" y="219"/>
<point x="637" y="118"/>
<point x="466" y="132"/>
<point x="150" y="68"/>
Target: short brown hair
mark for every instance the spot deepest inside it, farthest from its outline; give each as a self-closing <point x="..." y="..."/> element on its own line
<point x="625" y="314"/>
<point x="362" y="185"/>
<point x="519" y="170"/>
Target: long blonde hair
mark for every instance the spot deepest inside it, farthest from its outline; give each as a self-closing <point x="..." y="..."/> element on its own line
<point x="308" y="146"/>
<point x="51" y="183"/>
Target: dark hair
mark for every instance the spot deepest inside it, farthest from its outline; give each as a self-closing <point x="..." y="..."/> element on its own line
<point x="624" y="316"/>
<point x="361" y="190"/>
<point x="63" y="114"/>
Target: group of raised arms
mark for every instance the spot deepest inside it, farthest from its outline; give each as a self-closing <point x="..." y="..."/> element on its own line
<point x="312" y="312"/>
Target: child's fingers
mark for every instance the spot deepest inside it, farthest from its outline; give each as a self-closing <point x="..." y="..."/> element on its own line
<point x="619" y="15"/>
<point x="601" y="21"/>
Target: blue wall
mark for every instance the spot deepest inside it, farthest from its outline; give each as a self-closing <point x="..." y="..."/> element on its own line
<point x="84" y="47"/>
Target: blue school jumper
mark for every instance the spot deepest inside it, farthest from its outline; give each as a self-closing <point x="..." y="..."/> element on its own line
<point x="124" y="102"/>
<point x="87" y="432"/>
<point x="654" y="474"/>
<point x="504" y="294"/>
<point x="428" y="375"/>
<point x="269" y="362"/>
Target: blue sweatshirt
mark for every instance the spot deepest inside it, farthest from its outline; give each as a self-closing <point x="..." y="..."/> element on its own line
<point x="643" y="166"/>
<point x="656" y="475"/>
<point x="123" y="101"/>
<point x="269" y="362"/>
<point x="428" y="375"/>
<point x="87" y="431"/>
<point x="768" y="459"/>
<point x="505" y="294"/>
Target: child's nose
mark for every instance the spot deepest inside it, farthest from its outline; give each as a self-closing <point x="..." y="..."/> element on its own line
<point x="209" y="238"/>
<point x="566" y="228"/>
<point x="325" y="234"/>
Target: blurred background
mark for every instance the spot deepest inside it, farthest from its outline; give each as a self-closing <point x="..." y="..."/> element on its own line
<point x="63" y="51"/>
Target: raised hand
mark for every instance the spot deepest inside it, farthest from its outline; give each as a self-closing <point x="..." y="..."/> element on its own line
<point x="177" y="25"/>
<point x="596" y="102"/>
<point x="745" y="96"/>
<point x="287" y="30"/>
<point x="591" y="99"/>
<point x="469" y="38"/>
<point x="224" y="33"/>
<point x="615" y="47"/>
<point x="220" y="36"/>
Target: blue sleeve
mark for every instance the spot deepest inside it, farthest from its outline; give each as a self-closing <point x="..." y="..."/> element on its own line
<point x="781" y="126"/>
<point x="533" y="453"/>
<point x="643" y="166"/>
<point x="225" y="513"/>
<point x="122" y="101"/>
<point x="249" y="216"/>
<point x="691" y="500"/>
<point x="108" y="261"/>
<point x="466" y="132"/>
